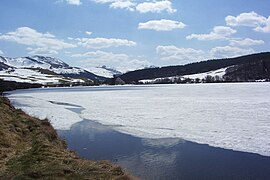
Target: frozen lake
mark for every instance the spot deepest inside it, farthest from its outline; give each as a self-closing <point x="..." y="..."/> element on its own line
<point x="230" y="116"/>
<point x="166" y="158"/>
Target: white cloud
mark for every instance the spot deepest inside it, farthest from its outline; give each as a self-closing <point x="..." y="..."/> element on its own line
<point x="31" y="37"/>
<point x="104" y="1"/>
<point x="218" y="32"/>
<point x="161" y="25"/>
<point x="251" y="19"/>
<point x="143" y="7"/>
<point x="122" y="62"/>
<point x="102" y="55"/>
<point x="88" y="33"/>
<point x="229" y="51"/>
<point x="123" y="5"/>
<point x="71" y="2"/>
<point x="118" y="4"/>
<point x="155" y="7"/>
<point x="99" y="43"/>
<point x="265" y="28"/>
<point x="1" y="52"/>
<point x="41" y="51"/>
<point x="179" y="55"/>
<point x="74" y="2"/>
<point x="246" y="42"/>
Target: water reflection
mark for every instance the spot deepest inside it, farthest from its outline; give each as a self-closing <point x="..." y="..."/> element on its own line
<point x="164" y="158"/>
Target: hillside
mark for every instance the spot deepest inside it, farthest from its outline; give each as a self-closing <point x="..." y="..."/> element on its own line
<point x="245" y="68"/>
<point x="31" y="149"/>
<point x="104" y="71"/>
<point x="44" y="70"/>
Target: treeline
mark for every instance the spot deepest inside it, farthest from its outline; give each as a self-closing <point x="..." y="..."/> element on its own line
<point x="182" y="80"/>
<point x="260" y="61"/>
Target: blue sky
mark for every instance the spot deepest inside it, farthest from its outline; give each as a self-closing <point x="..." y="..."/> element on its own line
<point x="130" y="34"/>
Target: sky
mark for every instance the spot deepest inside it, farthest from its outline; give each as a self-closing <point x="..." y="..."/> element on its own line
<point x="132" y="34"/>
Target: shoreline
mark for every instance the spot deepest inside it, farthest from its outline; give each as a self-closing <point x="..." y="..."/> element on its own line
<point x="31" y="148"/>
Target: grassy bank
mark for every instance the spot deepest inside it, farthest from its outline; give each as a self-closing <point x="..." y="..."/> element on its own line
<point x="30" y="148"/>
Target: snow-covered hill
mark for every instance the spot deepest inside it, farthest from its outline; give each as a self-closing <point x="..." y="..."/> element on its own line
<point x="53" y="64"/>
<point x="43" y="70"/>
<point x="216" y="74"/>
<point x="104" y="71"/>
<point x="35" y="76"/>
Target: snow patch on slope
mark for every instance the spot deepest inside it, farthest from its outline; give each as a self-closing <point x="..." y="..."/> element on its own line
<point x="41" y="69"/>
<point x="216" y="73"/>
<point x="33" y="76"/>
<point x="52" y="64"/>
<point x="104" y="71"/>
<point x="71" y="70"/>
<point x="220" y="73"/>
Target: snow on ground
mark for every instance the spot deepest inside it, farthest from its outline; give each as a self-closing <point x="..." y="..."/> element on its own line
<point x="32" y="76"/>
<point x="232" y="116"/>
<point x="103" y="71"/>
<point x="67" y="70"/>
<point x="52" y="64"/>
<point x="156" y="80"/>
<point x="100" y="72"/>
<point x="220" y="73"/>
<point x="23" y="63"/>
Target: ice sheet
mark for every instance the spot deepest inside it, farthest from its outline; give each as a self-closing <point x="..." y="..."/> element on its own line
<point x="231" y="116"/>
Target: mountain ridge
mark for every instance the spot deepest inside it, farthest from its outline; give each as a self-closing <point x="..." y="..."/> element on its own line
<point x="44" y="70"/>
